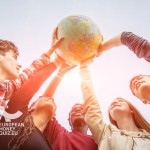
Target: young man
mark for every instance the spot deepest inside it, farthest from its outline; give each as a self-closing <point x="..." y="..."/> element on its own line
<point x="10" y="79"/>
<point x="139" y="85"/>
<point x="20" y="120"/>
<point x="59" y="137"/>
<point x="20" y="91"/>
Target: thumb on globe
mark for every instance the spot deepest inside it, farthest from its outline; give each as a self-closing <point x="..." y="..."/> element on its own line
<point x="87" y="61"/>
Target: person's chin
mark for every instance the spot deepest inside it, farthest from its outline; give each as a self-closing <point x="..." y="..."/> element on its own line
<point x="145" y="93"/>
<point x="146" y="101"/>
<point x="78" y="122"/>
<point x="13" y="77"/>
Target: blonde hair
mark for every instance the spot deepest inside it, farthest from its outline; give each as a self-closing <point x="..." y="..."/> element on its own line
<point x="139" y="120"/>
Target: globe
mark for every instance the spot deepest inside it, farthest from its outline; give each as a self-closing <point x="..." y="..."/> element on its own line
<point x="81" y="39"/>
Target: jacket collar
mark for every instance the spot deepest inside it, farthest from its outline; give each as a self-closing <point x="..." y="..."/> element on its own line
<point x="142" y="134"/>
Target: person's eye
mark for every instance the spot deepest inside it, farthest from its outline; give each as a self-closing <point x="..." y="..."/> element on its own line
<point x="15" y="56"/>
<point x="120" y="100"/>
<point x="139" y="78"/>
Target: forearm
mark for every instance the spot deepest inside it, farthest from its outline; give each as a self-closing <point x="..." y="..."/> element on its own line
<point x="36" y="65"/>
<point x="93" y="114"/>
<point x="111" y="43"/>
<point x="137" y="44"/>
<point x="50" y="90"/>
<point x="27" y="91"/>
<point x="86" y="84"/>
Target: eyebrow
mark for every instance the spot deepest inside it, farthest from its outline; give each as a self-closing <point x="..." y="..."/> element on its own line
<point x="74" y="108"/>
<point x="15" y="55"/>
<point x="133" y="79"/>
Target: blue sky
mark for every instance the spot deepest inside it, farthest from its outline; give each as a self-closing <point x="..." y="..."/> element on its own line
<point x="29" y="24"/>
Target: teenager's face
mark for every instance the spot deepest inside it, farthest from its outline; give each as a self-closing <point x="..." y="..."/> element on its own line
<point x="140" y="87"/>
<point x="119" y="108"/>
<point x="9" y="65"/>
<point x="76" y="116"/>
<point x="45" y="103"/>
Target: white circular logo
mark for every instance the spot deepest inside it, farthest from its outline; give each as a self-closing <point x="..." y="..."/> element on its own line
<point x="9" y="117"/>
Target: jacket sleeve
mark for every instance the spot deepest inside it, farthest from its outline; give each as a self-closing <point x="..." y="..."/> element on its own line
<point x="28" y="72"/>
<point x="23" y="95"/>
<point x="54" y="131"/>
<point x="8" y="87"/>
<point x="137" y="44"/>
<point x="93" y="114"/>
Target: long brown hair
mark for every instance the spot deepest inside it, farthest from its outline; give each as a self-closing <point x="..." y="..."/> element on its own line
<point x="139" y="120"/>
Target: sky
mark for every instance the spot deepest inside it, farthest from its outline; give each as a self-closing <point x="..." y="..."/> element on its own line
<point x="30" y="23"/>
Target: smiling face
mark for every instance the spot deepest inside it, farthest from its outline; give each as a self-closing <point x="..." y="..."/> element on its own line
<point x="9" y="65"/>
<point x="140" y="87"/>
<point x="119" y="108"/>
<point x="76" y="116"/>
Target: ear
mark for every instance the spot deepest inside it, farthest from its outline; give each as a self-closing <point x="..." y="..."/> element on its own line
<point x="1" y="57"/>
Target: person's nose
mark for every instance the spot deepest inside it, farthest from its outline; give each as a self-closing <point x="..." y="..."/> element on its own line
<point x="134" y="82"/>
<point x="117" y="100"/>
<point x="78" y="109"/>
<point x="114" y="102"/>
<point x="19" y="66"/>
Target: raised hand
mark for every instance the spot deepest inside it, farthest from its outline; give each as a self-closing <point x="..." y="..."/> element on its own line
<point x="87" y="61"/>
<point x="111" y="43"/>
<point x="64" y="68"/>
<point x="55" y="42"/>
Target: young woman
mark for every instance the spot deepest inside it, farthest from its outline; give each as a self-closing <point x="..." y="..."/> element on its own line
<point x="30" y="135"/>
<point x="128" y="130"/>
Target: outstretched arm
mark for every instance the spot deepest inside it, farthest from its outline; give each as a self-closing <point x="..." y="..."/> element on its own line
<point x="63" y="69"/>
<point x="24" y="94"/>
<point x="111" y="43"/>
<point x="137" y="44"/>
<point x="93" y="114"/>
<point x="54" y="128"/>
<point x="11" y="86"/>
<point x="37" y="64"/>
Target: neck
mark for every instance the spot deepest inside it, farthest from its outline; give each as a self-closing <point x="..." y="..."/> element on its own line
<point x="40" y="120"/>
<point x="3" y="76"/>
<point x="128" y="124"/>
<point x="81" y="129"/>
